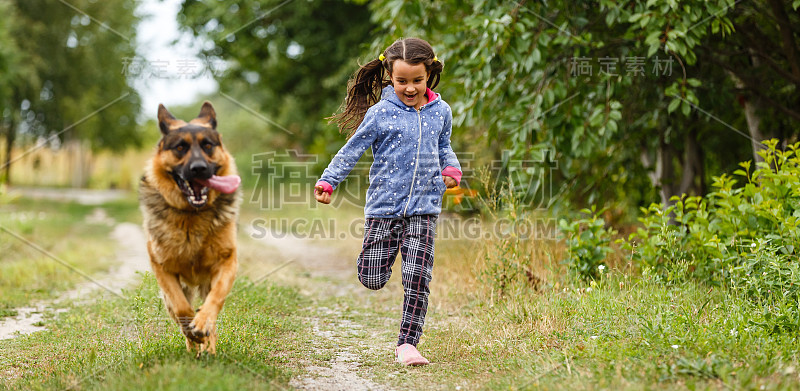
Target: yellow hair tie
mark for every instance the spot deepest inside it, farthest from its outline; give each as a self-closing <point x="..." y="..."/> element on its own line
<point x="381" y="57"/>
<point x="435" y="58"/>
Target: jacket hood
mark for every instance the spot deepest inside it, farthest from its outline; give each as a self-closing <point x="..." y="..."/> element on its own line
<point x="388" y="94"/>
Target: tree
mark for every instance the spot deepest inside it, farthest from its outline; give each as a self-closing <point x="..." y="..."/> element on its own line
<point x="589" y="81"/>
<point x="762" y="62"/>
<point x="294" y="57"/>
<point x="67" y="82"/>
<point x="15" y="77"/>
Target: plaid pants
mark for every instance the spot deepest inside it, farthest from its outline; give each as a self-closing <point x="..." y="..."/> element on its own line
<point x="413" y="237"/>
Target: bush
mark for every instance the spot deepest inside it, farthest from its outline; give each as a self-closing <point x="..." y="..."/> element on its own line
<point x="743" y="237"/>
<point x="588" y="243"/>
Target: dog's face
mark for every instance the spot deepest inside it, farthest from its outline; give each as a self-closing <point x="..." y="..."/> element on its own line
<point x="189" y="154"/>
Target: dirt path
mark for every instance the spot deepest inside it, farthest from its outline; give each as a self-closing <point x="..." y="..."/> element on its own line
<point x="81" y="196"/>
<point x="131" y="256"/>
<point x="335" y="335"/>
<point x="322" y="274"/>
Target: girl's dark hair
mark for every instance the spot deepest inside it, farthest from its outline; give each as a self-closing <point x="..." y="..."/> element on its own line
<point x="364" y="88"/>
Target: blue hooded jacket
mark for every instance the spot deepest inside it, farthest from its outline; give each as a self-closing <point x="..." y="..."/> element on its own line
<point x="410" y="149"/>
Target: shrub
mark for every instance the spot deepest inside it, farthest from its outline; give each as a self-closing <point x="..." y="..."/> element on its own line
<point x="588" y="242"/>
<point x="743" y="237"/>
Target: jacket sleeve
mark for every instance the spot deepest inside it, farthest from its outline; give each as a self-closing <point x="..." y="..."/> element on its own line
<point x="347" y="157"/>
<point x="447" y="158"/>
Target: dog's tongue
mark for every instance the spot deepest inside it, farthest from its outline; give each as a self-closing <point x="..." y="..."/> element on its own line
<point x="224" y="184"/>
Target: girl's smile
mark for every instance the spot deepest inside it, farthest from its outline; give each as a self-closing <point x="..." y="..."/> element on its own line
<point x="410" y="83"/>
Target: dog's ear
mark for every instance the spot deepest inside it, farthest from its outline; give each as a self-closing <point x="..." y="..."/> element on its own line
<point x="165" y="119"/>
<point x="208" y="115"/>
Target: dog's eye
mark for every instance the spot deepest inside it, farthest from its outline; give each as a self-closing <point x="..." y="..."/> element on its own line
<point x="207" y="146"/>
<point x="180" y="148"/>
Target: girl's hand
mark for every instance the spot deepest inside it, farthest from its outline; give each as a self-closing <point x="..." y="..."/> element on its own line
<point x="449" y="182"/>
<point x="321" y="195"/>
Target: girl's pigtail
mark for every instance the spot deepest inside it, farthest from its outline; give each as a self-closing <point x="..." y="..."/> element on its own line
<point x="363" y="91"/>
<point x="435" y="69"/>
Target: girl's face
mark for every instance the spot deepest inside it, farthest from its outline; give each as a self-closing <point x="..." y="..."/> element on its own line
<point x="410" y="83"/>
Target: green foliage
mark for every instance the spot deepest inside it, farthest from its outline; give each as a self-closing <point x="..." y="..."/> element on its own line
<point x="513" y="77"/>
<point x="588" y="243"/>
<point x="768" y="274"/>
<point x="70" y="79"/>
<point x="517" y="60"/>
<point x="287" y="61"/>
<point x="744" y="237"/>
<point x="663" y="243"/>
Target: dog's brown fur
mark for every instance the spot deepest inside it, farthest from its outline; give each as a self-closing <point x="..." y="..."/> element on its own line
<point x="192" y="249"/>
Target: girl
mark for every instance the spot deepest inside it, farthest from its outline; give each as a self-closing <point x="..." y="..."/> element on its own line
<point x="409" y="132"/>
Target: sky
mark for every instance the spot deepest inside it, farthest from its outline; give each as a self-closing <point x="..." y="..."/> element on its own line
<point x="165" y="73"/>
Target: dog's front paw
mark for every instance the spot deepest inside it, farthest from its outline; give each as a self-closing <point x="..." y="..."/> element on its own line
<point x="203" y="331"/>
<point x="202" y="326"/>
<point x="187" y="327"/>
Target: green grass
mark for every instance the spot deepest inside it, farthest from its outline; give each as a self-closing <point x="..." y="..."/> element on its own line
<point x="625" y="332"/>
<point x="126" y="209"/>
<point x="26" y="274"/>
<point x="130" y="344"/>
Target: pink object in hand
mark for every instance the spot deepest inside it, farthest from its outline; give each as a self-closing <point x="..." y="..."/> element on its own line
<point x="224" y="184"/>
<point x="326" y="187"/>
<point x="453" y="172"/>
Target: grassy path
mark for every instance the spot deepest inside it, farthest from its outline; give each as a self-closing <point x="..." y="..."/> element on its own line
<point x="130" y="258"/>
<point x="336" y="346"/>
<point x="273" y="333"/>
<point x="299" y="319"/>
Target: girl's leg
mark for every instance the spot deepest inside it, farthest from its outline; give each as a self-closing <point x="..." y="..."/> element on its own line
<point x="381" y="242"/>
<point x="417" y="250"/>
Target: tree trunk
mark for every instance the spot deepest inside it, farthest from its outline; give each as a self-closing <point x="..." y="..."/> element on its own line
<point x="647" y="163"/>
<point x="750" y="104"/>
<point x="692" y="166"/>
<point x="754" y="127"/>
<point x="11" y="134"/>
<point x="665" y="171"/>
<point x="663" y="174"/>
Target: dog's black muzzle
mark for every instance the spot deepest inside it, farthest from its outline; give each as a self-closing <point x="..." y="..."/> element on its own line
<point x="191" y="177"/>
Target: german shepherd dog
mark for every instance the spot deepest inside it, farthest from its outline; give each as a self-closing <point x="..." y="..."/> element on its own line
<point x="189" y="199"/>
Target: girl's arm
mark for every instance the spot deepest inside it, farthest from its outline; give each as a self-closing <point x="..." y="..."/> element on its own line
<point x="348" y="156"/>
<point x="447" y="158"/>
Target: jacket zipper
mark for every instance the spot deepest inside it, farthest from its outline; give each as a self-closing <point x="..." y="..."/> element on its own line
<point x="416" y="163"/>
